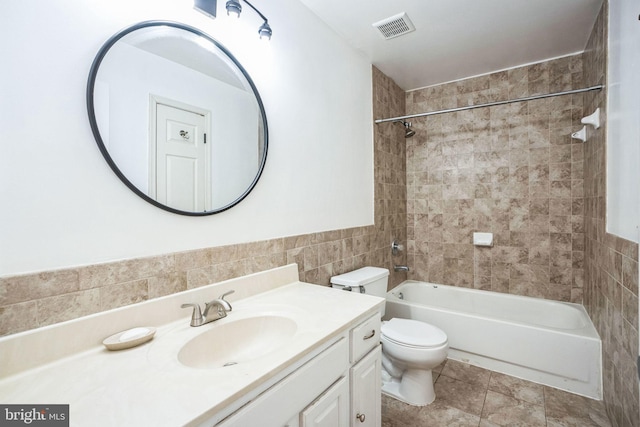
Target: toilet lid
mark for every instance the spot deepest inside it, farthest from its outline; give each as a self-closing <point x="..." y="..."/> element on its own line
<point x="413" y="332"/>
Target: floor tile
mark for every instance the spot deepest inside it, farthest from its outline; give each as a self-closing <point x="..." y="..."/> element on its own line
<point x="566" y="409"/>
<point x="390" y="422"/>
<point x="397" y="413"/>
<point x="467" y="397"/>
<point x="503" y="410"/>
<point x="517" y="388"/>
<point x="439" y="414"/>
<point x="468" y="373"/>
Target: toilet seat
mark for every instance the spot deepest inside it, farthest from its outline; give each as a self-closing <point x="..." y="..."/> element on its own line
<point x="413" y="333"/>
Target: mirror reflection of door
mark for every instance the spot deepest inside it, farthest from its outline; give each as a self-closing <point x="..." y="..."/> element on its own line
<point x="172" y="64"/>
<point x="182" y="159"/>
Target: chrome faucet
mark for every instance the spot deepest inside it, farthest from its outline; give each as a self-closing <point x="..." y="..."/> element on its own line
<point x="400" y="268"/>
<point x="220" y="306"/>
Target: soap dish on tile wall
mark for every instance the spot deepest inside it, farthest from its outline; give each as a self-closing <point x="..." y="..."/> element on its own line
<point x="129" y="338"/>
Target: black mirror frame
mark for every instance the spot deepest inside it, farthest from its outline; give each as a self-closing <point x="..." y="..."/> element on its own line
<point x="105" y="153"/>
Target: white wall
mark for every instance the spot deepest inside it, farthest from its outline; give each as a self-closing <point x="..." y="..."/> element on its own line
<point x="623" y="147"/>
<point x="61" y="204"/>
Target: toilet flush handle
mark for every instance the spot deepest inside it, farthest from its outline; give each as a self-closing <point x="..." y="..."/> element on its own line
<point x="350" y="288"/>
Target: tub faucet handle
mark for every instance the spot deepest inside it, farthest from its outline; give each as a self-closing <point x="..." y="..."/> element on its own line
<point x="396" y="247"/>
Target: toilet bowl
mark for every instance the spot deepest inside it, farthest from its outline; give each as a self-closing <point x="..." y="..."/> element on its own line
<point x="410" y="348"/>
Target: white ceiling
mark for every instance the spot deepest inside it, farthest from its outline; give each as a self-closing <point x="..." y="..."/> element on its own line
<point x="455" y="39"/>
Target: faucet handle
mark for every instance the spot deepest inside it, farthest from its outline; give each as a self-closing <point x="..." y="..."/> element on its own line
<point x="196" y="316"/>
<point x="226" y="293"/>
<point x="221" y="298"/>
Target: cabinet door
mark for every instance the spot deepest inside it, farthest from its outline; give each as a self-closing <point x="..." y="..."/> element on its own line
<point x="365" y="391"/>
<point x="331" y="409"/>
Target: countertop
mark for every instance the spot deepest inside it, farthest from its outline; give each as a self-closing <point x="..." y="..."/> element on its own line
<point x="147" y="385"/>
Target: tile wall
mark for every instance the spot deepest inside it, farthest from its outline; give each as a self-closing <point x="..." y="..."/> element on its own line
<point x="33" y="300"/>
<point x="512" y="170"/>
<point x="611" y="263"/>
<point x="390" y="168"/>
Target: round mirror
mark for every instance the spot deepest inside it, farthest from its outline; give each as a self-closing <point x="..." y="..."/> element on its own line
<point x="177" y="118"/>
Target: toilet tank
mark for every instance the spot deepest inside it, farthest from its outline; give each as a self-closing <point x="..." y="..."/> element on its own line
<point x="367" y="280"/>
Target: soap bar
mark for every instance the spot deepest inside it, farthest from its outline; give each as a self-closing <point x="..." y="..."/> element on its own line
<point x="133" y="334"/>
<point x="129" y="338"/>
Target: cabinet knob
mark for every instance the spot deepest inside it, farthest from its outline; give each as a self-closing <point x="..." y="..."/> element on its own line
<point x="360" y="417"/>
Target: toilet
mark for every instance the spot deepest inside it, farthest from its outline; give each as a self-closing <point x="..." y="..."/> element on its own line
<point x="410" y="348"/>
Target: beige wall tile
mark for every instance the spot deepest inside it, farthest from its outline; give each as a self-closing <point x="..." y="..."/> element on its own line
<point x="99" y="275"/>
<point x="114" y="296"/>
<point x="167" y="284"/>
<point x="66" y="307"/>
<point x="35" y="286"/>
<point x="519" y="158"/>
<point x="18" y="317"/>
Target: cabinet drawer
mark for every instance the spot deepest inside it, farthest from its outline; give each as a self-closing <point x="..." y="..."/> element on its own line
<point x="364" y="337"/>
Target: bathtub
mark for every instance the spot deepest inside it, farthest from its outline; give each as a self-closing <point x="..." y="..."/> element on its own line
<point x="547" y="342"/>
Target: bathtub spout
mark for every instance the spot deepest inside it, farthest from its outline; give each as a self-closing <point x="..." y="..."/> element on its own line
<point x="400" y="268"/>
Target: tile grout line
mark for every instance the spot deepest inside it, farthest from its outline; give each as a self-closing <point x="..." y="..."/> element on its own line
<point x="544" y="405"/>
<point x="484" y="402"/>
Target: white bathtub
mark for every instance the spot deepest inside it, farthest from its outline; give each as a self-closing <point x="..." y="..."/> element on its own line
<point x="547" y="342"/>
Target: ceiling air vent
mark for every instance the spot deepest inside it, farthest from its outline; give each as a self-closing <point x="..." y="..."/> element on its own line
<point x="395" y="26"/>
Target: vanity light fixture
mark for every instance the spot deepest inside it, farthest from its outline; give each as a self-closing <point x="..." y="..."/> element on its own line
<point x="265" y="30"/>
<point x="234" y="7"/>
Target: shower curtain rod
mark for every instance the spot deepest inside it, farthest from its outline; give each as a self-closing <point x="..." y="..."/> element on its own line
<point x="490" y="104"/>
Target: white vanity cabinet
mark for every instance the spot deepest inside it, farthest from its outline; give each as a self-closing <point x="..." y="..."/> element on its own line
<point x="340" y="387"/>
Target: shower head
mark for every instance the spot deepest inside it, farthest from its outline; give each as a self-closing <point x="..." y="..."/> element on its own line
<point x="408" y="132"/>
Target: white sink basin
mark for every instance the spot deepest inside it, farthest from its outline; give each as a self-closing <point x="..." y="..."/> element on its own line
<point x="237" y="341"/>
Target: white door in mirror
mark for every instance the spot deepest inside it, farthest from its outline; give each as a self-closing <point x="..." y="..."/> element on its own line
<point x="182" y="163"/>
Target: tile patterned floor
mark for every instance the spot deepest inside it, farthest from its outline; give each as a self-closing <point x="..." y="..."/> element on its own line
<point x="470" y="396"/>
